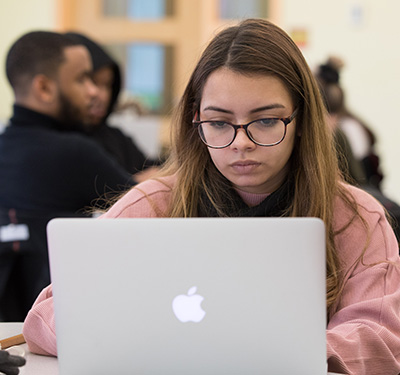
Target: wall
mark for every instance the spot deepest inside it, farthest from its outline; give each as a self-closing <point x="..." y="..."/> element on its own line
<point x="16" y="18"/>
<point x="365" y="34"/>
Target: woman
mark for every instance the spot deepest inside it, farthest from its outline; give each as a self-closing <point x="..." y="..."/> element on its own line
<point x="280" y="162"/>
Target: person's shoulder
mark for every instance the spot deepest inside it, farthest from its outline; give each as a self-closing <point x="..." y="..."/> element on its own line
<point x="363" y="199"/>
<point x="64" y="139"/>
<point x="51" y="141"/>
<point x="154" y="186"/>
<point x="353" y="202"/>
<point x="148" y="199"/>
<point x="79" y="146"/>
<point x="105" y="128"/>
<point x="112" y="135"/>
<point x="77" y="138"/>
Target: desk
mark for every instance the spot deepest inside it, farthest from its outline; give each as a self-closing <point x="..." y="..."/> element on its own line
<point x="35" y="364"/>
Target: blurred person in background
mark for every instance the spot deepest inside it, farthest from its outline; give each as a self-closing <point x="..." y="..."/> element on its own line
<point x="351" y="167"/>
<point x="351" y="137"/>
<point x="107" y="77"/>
<point x="361" y="138"/>
<point x="47" y="168"/>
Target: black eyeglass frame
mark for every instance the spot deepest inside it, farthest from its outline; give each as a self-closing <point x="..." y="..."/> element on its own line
<point x="286" y="121"/>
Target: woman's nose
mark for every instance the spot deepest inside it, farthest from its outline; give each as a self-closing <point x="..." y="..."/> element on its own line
<point x="242" y="141"/>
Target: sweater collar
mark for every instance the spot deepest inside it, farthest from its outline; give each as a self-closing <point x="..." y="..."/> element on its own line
<point x="251" y="199"/>
<point x="23" y="116"/>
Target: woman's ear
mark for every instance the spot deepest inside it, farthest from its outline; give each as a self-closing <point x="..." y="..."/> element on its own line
<point x="44" y="89"/>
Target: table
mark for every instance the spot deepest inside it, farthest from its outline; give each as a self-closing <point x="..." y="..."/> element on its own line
<point x="35" y="364"/>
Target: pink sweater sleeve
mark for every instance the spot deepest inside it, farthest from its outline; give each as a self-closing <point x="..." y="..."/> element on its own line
<point x="148" y="199"/>
<point x="363" y="336"/>
<point x="39" y="326"/>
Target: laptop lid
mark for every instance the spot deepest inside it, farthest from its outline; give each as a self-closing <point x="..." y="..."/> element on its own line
<point x="189" y="296"/>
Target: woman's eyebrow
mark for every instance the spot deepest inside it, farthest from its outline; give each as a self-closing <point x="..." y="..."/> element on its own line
<point x="267" y="107"/>
<point x="255" y="110"/>
<point x="217" y="109"/>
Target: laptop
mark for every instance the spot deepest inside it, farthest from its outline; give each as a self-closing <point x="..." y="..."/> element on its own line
<point x="196" y="296"/>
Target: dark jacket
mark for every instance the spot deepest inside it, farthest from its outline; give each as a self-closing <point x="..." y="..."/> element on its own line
<point x="45" y="172"/>
<point x="46" y="169"/>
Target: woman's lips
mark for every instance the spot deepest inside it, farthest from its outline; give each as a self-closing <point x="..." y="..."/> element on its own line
<point x="244" y="166"/>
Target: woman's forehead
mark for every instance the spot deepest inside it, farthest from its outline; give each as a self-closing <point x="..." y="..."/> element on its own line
<point x="229" y="90"/>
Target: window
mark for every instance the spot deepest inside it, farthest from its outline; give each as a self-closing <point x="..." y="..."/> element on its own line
<point x="154" y="42"/>
<point x="138" y="9"/>
<point x="238" y="9"/>
<point x="147" y="73"/>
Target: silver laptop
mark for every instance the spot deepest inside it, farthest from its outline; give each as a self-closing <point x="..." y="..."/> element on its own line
<point x="196" y="296"/>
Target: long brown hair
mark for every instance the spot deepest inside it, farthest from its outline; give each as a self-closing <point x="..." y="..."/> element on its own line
<point x="259" y="47"/>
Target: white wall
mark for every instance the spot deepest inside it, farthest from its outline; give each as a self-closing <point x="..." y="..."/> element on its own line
<point x="16" y="18"/>
<point x="370" y="46"/>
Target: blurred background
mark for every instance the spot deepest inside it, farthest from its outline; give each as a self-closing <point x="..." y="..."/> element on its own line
<point x="157" y="42"/>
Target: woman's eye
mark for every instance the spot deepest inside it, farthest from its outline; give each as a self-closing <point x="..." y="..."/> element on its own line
<point x="218" y="124"/>
<point x="268" y="121"/>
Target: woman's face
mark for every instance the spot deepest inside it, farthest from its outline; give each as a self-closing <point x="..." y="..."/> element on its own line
<point x="238" y="99"/>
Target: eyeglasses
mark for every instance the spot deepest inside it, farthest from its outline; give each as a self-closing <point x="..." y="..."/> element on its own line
<point x="263" y="132"/>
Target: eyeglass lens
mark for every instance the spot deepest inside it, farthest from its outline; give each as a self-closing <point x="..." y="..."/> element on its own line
<point x="265" y="132"/>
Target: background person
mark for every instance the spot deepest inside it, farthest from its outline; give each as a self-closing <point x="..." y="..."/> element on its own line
<point x="353" y="169"/>
<point x="280" y="161"/>
<point x="361" y="138"/>
<point x="47" y="168"/>
<point x="107" y="77"/>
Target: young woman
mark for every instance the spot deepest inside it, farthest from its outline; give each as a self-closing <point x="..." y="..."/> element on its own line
<point x="280" y="161"/>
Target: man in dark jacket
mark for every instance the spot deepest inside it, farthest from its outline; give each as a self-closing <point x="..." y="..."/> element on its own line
<point x="107" y="77"/>
<point x="47" y="168"/>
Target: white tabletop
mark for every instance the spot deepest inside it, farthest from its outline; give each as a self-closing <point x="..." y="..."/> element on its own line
<point x="35" y="364"/>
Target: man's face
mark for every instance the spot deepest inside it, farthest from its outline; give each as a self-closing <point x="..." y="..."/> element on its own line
<point x="76" y="91"/>
<point x="103" y="79"/>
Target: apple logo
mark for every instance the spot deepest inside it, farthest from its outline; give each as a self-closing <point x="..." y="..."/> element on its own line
<point x="187" y="307"/>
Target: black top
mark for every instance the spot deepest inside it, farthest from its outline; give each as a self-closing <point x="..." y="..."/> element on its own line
<point x="45" y="172"/>
<point x="122" y="148"/>
<point x="45" y="169"/>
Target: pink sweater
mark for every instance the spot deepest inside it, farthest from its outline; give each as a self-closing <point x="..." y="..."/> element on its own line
<point x="363" y="336"/>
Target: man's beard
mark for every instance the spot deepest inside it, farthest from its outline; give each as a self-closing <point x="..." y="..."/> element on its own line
<point x="70" y="116"/>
